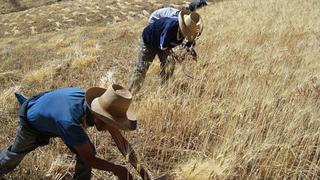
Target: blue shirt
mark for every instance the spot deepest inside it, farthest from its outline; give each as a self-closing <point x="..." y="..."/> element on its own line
<point x="163" y="33"/>
<point x="163" y="12"/>
<point x="59" y="113"/>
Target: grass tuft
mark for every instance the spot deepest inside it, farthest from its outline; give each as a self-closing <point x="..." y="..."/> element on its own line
<point x="39" y="76"/>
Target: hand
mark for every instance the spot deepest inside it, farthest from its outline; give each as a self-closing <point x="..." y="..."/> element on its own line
<point x="122" y="173"/>
<point x="188" y="44"/>
<point x="193" y="54"/>
<point x="167" y="51"/>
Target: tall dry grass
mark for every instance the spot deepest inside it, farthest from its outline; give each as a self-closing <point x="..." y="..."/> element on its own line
<point x="253" y="107"/>
<point x="248" y="109"/>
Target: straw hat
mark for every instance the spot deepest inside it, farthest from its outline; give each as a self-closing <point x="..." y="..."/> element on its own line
<point x="112" y="106"/>
<point x="190" y="24"/>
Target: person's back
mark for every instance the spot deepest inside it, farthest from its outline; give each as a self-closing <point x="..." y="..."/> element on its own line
<point x="163" y="12"/>
<point x="162" y="33"/>
<point x="64" y="109"/>
<point x="171" y="12"/>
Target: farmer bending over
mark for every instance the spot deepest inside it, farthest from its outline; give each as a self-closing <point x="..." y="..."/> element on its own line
<point x="171" y="12"/>
<point x="159" y="38"/>
<point x="62" y="113"/>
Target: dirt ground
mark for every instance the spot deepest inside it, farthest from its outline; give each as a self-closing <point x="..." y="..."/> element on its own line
<point x="27" y="17"/>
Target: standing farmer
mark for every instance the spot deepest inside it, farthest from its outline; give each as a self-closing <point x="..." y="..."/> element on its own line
<point x="159" y="38"/>
<point x="62" y="113"/>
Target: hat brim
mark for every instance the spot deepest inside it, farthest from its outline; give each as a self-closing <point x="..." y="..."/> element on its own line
<point x="186" y="32"/>
<point x="183" y="27"/>
<point x="127" y="123"/>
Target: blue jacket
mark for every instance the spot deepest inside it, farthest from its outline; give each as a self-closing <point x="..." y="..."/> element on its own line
<point x="163" y="33"/>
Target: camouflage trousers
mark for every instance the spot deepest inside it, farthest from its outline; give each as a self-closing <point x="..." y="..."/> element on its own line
<point x="146" y="56"/>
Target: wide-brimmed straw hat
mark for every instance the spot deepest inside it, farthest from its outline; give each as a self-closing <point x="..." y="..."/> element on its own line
<point x="112" y="106"/>
<point x="190" y="24"/>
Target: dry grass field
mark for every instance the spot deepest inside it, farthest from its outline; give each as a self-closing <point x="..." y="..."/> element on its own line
<point x="248" y="109"/>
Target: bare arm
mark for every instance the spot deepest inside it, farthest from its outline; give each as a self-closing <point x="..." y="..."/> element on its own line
<point x="86" y="154"/>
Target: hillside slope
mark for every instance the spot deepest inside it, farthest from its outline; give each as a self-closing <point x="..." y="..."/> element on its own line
<point x="248" y="109"/>
<point x="47" y="16"/>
